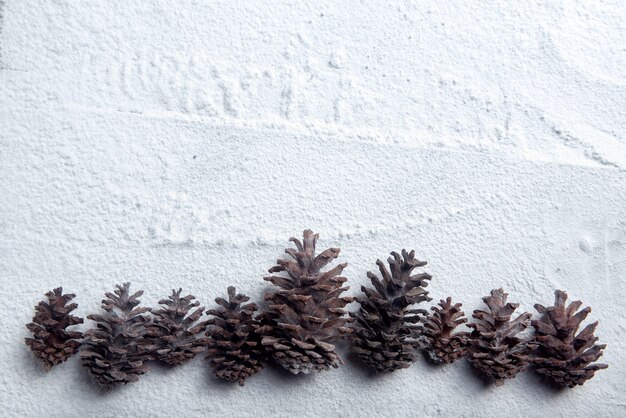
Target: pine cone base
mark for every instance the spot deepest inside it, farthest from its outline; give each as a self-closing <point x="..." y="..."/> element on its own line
<point x="301" y="357"/>
<point x="51" y="353"/>
<point x="387" y="357"/>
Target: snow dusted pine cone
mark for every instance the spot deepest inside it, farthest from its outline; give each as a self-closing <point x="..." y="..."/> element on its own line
<point x="385" y="333"/>
<point x="52" y="342"/>
<point x="235" y="350"/>
<point x="495" y="349"/>
<point x="442" y="344"/>
<point x="561" y="354"/>
<point x="306" y="314"/>
<point x="114" y="351"/>
<point x="177" y="335"/>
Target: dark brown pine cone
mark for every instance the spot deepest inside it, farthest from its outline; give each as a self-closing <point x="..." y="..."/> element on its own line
<point x="385" y="335"/>
<point x="114" y="351"/>
<point x="442" y="344"/>
<point x="52" y="342"/>
<point x="235" y="350"/>
<point x="177" y="335"/>
<point x="561" y="354"/>
<point x="306" y="314"/>
<point x="495" y="349"/>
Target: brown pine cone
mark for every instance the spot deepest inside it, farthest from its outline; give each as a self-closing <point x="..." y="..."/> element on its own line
<point x="385" y="335"/>
<point x="441" y="344"/>
<point x="235" y="350"/>
<point x="177" y="335"/>
<point x="495" y="349"/>
<point x="306" y="314"/>
<point x="52" y="342"/>
<point x="114" y="351"/>
<point x="561" y="354"/>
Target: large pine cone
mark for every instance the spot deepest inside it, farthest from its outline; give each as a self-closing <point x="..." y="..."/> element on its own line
<point x="235" y="350"/>
<point x="385" y="335"/>
<point x="442" y="344"/>
<point x="114" y="351"/>
<point x="52" y="342"/>
<point x="495" y="349"/>
<point x="175" y="331"/>
<point x="306" y="315"/>
<point x="561" y="354"/>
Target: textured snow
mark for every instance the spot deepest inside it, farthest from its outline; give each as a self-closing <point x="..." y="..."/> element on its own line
<point x="182" y="143"/>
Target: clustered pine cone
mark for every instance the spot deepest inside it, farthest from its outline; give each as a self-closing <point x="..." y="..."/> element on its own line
<point x="177" y="335"/>
<point x="441" y="343"/>
<point x="561" y="354"/>
<point x="235" y="350"/>
<point x="385" y="335"/>
<point x="495" y="349"/>
<point x="306" y="314"/>
<point x="52" y="342"/>
<point x="114" y="351"/>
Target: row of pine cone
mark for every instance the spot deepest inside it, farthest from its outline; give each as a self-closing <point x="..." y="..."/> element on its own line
<point x="305" y="317"/>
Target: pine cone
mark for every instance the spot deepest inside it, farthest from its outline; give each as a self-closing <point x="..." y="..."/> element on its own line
<point x="385" y="334"/>
<point x="443" y="346"/>
<point x="307" y="314"/>
<point x="177" y="335"/>
<point x="561" y="354"/>
<point x="52" y="343"/>
<point x="235" y="350"/>
<point x="494" y="348"/>
<point x="115" y="350"/>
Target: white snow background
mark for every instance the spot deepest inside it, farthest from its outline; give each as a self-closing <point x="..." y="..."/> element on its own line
<point x="181" y="143"/>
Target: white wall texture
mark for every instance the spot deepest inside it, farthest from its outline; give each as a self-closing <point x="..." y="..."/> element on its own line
<point x="181" y="143"/>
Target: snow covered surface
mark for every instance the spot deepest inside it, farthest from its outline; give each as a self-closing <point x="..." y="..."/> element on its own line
<point x="182" y="143"/>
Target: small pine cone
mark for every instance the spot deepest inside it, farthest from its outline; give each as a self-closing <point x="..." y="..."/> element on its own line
<point x="52" y="343"/>
<point x="177" y="335"/>
<point x="306" y="314"/>
<point x="442" y="345"/>
<point x="495" y="349"/>
<point x="385" y="335"/>
<point x="115" y="350"/>
<point x="235" y="350"/>
<point x="561" y="354"/>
